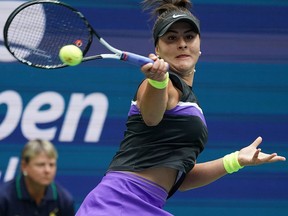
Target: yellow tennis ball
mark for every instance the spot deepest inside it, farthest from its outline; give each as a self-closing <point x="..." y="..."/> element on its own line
<point x="71" y="55"/>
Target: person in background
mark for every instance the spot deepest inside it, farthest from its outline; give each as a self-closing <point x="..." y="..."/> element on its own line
<point x="34" y="192"/>
<point x="166" y="128"/>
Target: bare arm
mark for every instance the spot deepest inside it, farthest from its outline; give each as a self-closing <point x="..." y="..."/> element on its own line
<point x="208" y="172"/>
<point x="153" y="102"/>
<point x="203" y="174"/>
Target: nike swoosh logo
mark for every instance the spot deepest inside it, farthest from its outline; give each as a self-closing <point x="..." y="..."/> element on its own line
<point x="176" y="16"/>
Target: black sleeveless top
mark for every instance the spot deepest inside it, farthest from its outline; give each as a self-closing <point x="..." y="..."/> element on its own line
<point x="175" y="142"/>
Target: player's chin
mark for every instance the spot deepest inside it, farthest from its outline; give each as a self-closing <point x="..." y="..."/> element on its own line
<point x="184" y="67"/>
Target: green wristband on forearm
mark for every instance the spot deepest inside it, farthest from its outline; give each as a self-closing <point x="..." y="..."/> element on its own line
<point x="160" y="84"/>
<point x="231" y="163"/>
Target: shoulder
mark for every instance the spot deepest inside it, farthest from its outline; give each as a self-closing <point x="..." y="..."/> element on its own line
<point x="63" y="193"/>
<point x="8" y="196"/>
<point x="66" y="201"/>
<point x="6" y="188"/>
<point x="178" y="82"/>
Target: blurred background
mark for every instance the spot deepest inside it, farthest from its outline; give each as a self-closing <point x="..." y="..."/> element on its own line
<point x="241" y="82"/>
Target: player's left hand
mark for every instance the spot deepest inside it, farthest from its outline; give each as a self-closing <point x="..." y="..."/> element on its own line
<point x="252" y="155"/>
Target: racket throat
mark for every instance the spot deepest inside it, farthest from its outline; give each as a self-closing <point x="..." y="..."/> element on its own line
<point x="124" y="56"/>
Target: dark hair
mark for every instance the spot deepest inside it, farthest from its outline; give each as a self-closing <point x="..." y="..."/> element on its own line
<point x="167" y="12"/>
<point x="158" y="7"/>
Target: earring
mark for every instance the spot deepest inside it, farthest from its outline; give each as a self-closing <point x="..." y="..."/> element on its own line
<point x="25" y="173"/>
<point x="200" y="52"/>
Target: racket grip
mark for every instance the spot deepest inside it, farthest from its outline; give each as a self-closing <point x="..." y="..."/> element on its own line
<point x="135" y="59"/>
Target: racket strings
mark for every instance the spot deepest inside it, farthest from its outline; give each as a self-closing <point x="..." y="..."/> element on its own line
<point x="24" y="36"/>
<point x="37" y="33"/>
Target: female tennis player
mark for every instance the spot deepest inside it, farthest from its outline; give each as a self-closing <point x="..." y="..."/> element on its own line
<point x="166" y="129"/>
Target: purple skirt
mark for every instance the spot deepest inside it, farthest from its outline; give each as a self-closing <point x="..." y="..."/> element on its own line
<point x="124" y="194"/>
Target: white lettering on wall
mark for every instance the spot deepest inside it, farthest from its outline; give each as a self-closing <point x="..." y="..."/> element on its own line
<point x="11" y="169"/>
<point x="13" y="101"/>
<point x="78" y="103"/>
<point x="46" y="108"/>
<point x="33" y="115"/>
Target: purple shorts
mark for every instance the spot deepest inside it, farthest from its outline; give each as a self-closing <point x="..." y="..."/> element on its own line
<point x="124" y="194"/>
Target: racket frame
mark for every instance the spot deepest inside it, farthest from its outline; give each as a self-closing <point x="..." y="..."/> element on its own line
<point x="116" y="53"/>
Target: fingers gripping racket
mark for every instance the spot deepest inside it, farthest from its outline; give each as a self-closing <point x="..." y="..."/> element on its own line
<point x="36" y="31"/>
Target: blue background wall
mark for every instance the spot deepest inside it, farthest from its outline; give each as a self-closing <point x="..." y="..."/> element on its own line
<point x="241" y="82"/>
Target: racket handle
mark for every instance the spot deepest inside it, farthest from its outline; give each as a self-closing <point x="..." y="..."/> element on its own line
<point x="135" y="59"/>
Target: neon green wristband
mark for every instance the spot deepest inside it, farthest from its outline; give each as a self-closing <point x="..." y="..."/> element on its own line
<point x="231" y="163"/>
<point x="160" y="84"/>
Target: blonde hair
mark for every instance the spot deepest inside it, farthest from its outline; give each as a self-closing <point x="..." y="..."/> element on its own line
<point x="35" y="147"/>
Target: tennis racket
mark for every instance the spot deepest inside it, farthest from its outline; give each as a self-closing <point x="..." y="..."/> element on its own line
<point x="36" y="31"/>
